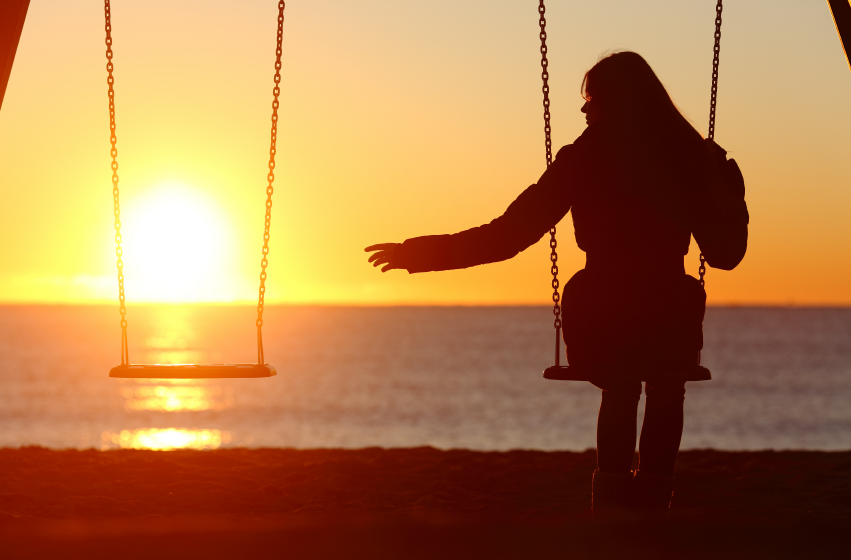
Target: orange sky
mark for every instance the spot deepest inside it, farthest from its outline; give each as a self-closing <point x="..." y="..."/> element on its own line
<point x="398" y="119"/>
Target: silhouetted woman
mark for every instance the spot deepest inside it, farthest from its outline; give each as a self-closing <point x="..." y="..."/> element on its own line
<point x="637" y="181"/>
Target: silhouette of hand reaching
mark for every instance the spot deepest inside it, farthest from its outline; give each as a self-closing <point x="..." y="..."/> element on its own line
<point x="385" y="252"/>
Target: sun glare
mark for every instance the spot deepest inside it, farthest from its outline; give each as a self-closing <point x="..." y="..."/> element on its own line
<point x="177" y="247"/>
<point x="170" y="438"/>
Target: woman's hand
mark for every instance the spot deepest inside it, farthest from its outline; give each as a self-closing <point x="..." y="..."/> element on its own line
<point x="385" y="253"/>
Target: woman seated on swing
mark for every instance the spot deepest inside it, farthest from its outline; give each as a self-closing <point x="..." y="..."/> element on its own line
<point x="639" y="181"/>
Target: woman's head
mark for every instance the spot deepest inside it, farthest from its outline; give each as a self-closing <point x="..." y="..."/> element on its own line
<point x="622" y="86"/>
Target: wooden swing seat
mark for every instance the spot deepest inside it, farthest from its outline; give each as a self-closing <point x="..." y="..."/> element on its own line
<point x="573" y="373"/>
<point x="192" y="371"/>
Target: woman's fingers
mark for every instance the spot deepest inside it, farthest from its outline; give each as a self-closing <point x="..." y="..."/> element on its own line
<point x="380" y="247"/>
<point x="383" y="255"/>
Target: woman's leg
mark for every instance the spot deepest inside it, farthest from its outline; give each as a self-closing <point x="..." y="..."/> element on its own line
<point x="616" y="426"/>
<point x="612" y="482"/>
<point x="663" y="427"/>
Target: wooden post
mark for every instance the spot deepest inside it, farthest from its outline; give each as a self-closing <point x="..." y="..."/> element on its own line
<point x="12" y="15"/>
<point x="841" y="10"/>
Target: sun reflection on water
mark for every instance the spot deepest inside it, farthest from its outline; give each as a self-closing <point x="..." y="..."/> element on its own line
<point x="170" y="438"/>
<point x="176" y="398"/>
<point x="172" y="339"/>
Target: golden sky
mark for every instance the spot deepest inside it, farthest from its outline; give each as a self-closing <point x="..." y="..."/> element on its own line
<point x="398" y="119"/>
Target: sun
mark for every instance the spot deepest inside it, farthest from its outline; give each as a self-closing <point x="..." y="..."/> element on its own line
<point x="177" y="247"/>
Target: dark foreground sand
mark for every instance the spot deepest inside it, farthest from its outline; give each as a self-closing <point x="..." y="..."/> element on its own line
<point x="408" y="503"/>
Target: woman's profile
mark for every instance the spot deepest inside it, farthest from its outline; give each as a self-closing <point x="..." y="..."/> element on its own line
<point x="639" y="182"/>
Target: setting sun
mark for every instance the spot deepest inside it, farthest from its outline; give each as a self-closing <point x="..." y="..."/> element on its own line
<point x="177" y="243"/>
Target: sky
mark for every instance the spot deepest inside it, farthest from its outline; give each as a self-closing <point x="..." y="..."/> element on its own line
<point x="397" y="119"/>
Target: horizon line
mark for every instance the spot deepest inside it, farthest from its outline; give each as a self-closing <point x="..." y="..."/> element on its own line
<point x="801" y="305"/>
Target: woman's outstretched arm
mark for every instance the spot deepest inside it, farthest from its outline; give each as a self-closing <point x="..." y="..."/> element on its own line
<point x="526" y="220"/>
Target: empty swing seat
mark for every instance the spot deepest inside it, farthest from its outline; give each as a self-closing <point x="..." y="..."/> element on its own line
<point x="192" y="371"/>
<point x="573" y="373"/>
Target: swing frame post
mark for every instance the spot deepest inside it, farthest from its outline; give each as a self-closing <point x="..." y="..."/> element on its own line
<point x="13" y="13"/>
<point x="841" y="12"/>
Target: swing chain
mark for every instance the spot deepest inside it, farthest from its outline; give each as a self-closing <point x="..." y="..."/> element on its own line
<point x="713" y="100"/>
<point x="276" y="91"/>
<point x="715" y="61"/>
<point x="110" y="80"/>
<point x="545" y="76"/>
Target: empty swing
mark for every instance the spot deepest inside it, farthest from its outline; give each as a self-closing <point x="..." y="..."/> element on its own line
<point x="559" y="372"/>
<point x="192" y="371"/>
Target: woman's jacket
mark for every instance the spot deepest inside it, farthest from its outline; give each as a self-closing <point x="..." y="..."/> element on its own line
<point x="637" y="196"/>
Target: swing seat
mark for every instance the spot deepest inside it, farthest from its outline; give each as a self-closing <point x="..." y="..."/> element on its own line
<point x="192" y="371"/>
<point x="573" y="373"/>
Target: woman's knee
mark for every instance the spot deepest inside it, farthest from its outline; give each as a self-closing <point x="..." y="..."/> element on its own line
<point x="621" y="391"/>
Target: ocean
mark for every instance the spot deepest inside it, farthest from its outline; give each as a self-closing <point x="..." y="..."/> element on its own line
<point x="351" y="377"/>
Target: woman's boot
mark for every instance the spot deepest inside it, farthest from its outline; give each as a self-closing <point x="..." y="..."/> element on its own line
<point x="652" y="493"/>
<point x="610" y="494"/>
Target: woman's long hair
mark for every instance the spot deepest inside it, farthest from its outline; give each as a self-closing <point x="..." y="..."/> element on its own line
<point x="626" y="88"/>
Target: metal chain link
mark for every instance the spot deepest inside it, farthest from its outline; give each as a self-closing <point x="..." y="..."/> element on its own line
<point x="712" y="104"/>
<point x="116" y="208"/>
<point x="715" y="60"/>
<point x="545" y="76"/>
<point x="276" y="91"/>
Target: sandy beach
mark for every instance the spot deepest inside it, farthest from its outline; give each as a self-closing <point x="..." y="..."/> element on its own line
<point x="408" y="503"/>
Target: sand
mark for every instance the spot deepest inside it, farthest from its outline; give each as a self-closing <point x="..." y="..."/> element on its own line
<point x="408" y="503"/>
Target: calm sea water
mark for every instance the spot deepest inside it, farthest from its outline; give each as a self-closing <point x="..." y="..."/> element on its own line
<point x="354" y="377"/>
